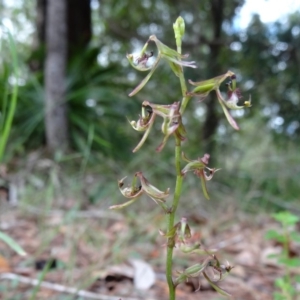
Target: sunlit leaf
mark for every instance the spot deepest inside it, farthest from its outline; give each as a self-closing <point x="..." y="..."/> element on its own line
<point x="12" y="243"/>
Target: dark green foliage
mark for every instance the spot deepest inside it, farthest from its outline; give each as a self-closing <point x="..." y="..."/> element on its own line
<point x="95" y="101"/>
<point x="264" y="157"/>
<point x="286" y="285"/>
<point x="94" y="104"/>
<point x="269" y="59"/>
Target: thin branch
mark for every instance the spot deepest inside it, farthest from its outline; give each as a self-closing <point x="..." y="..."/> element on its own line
<point x="59" y="288"/>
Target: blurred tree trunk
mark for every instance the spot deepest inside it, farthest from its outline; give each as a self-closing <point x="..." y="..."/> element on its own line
<point x="79" y="22"/>
<point x="55" y="76"/>
<point x="65" y="28"/>
<point x="212" y="118"/>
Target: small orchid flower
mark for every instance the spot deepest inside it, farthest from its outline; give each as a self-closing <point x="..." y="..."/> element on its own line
<point x="134" y="191"/>
<point x="199" y="167"/>
<point x="234" y="95"/>
<point x="211" y="262"/>
<point x="164" y="52"/>
<point x="203" y="88"/>
<point x="172" y="123"/>
<point x="179" y="232"/>
<point x="144" y="123"/>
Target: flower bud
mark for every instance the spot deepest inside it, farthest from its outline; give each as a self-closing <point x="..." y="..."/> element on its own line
<point x="179" y="28"/>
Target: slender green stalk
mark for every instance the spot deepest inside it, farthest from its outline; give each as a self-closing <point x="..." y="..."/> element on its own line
<point x="181" y="75"/>
<point x="178" y="185"/>
<point x="185" y="101"/>
<point x="286" y="255"/>
<point x="41" y="278"/>
<point x="173" y="125"/>
<point x="171" y="218"/>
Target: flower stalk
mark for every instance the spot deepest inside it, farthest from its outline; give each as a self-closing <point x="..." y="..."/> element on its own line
<point x="173" y="127"/>
<point x="171" y="219"/>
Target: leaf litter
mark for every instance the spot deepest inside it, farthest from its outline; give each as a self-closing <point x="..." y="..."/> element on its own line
<point x="111" y="258"/>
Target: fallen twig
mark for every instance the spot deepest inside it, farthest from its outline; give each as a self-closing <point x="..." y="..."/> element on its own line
<point x="59" y="288"/>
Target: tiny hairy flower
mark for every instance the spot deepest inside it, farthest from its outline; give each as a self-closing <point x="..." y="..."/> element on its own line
<point x="134" y="191"/>
<point x="164" y="52"/>
<point x="179" y="233"/>
<point x="144" y="123"/>
<point x="211" y="262"/>
<point x="203" y="88"/>
<point x="179" y="28"/>
<point x="199" y="167"/>
<point x="193" y="271"/>
<point x="234" y="95"/>
<point x="140" y="63"/>
<point x="172" y="123"/>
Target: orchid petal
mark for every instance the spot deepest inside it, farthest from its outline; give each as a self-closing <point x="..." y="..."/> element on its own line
<point x="142" y="141"/>
<point x="203" y="185"/>
<point x="192" y="165"/>
<point x="230" y="119"/>
<point x="120" y="206"/>
<point x="146" y="79"/>
<point x="217" y="288"/>
<point x="211" y="173"/>
<point x="151" y="190"/>
<point x="208" y="85"/>
<point x="131" y="191"/>
<point x="170" y="54"/>
<point x="140" y="66"/>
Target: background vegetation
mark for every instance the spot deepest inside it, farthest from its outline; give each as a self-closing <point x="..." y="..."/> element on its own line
<point x="262" y="156"/>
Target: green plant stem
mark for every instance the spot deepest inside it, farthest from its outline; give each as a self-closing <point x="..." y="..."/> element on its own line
<point x="185" y="98"/>
<point x="181" y="75"/>
<point x="171" y="218"/>
<point x="184" y="102"/>
<point x="286" y="254"/>
<point x="178" y="186"/>
<point x="183" y="85"/>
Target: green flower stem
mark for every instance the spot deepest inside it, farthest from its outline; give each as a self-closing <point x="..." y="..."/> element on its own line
<point x="178" y="185"/>
<point x="181" y="75"/>
<point x="286" y="255"/>
<point x="169" y="273"/>
<point x="178" y="37"/>
<point x="183" y="84"/>
<point x="171" y="218"/>
<point x="185" y="98"/>
<point x="184" y="102"/>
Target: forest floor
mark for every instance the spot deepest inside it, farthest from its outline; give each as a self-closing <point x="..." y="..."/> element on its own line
<point x="96" y="254"/>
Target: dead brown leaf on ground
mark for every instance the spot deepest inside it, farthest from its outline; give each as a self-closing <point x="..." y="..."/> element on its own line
<point x="85" y="249"/>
